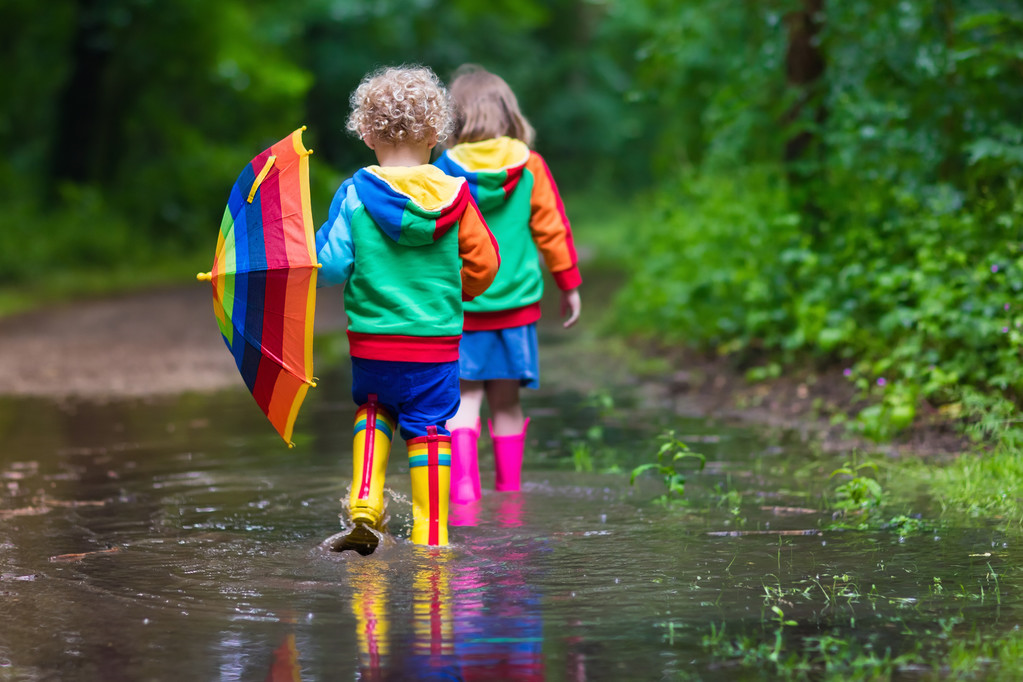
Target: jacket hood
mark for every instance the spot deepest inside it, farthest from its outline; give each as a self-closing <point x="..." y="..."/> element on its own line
<point x="413" y="205"/>
<point x="492" y="167"/>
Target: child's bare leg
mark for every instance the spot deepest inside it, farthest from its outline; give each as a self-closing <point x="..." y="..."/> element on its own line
<point x="468" y="413"/>
<point x="505" y="408"/>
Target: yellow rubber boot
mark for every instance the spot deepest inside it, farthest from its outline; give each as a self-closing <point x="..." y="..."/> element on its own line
<point x="429" y="461"/>
<point x="374" y="430"/>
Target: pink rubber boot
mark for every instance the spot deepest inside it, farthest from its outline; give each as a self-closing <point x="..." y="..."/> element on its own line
<point x="465" y="468"/>
<point x="508" y="458"/>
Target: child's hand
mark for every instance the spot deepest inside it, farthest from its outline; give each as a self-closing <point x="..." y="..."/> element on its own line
<point x="570" y="306"/>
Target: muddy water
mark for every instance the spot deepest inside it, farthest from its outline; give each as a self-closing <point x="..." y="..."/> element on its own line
<point x="177" y="539"/>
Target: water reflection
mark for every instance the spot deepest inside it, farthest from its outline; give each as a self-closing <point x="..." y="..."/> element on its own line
<point x="465" y="613"/>
<point x="500" y="628"/>
<point x="372" y="620"/>
<point x="285" y="667"/>
<point x="473" y="616"/>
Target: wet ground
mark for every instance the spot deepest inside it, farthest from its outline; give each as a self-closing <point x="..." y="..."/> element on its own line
<point x="169" y="537"/>
<point x="175" y="539"/>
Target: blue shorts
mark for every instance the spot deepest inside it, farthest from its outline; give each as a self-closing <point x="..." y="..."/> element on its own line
<point x="500" y="354"/>
<point x="418" y="394"/>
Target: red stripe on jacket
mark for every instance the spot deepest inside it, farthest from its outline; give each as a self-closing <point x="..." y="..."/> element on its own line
<point x="403" y="348"/>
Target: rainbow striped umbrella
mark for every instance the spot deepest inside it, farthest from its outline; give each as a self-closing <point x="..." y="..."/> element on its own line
<point x="264" y="280"/>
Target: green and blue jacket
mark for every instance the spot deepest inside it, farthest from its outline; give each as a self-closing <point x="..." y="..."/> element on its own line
<point x="411" y="248"/>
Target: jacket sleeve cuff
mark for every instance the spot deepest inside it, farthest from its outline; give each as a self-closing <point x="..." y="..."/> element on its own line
<point x="568" y="279"/>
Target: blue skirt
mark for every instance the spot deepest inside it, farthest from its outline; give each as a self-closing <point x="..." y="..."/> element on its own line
<point x="500" y="354"/>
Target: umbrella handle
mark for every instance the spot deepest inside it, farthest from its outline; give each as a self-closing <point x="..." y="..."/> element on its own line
<point x="259" y="178"/>
<point x="204" y="276"/>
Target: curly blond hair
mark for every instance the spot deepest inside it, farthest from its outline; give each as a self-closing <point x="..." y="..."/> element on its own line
<point x="402" y="104"/>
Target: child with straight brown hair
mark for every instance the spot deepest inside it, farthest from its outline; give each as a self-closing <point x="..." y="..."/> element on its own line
<point x="517" y="195"/>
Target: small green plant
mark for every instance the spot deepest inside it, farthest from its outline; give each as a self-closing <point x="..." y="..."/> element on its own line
<point x="860" y="493"/>
<point x="905" y="524"/>
<point x="779" y="634"/>
<point x="730" y="498"/>
<point x="582" y="457"/>
<point x="671" y="452"/>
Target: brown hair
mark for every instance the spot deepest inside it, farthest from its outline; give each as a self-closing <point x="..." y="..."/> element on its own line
<point x="485" y="107"/>
<point x="401" y="104"/>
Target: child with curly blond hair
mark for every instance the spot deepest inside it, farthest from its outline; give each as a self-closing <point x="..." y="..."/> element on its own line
<point x="516" y="193"/>
<point x="410" y="245"/>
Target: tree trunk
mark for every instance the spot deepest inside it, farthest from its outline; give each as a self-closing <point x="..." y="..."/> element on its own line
<point x="804" y="71"/>
<point x="804" y="67"/>
<point x="76" y="152"/>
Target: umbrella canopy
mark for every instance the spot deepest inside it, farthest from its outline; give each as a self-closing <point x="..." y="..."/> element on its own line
<point x="264" y="279"/>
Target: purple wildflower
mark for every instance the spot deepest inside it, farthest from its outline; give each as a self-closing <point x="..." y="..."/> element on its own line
<point x="847" y="372"/>
<point x="1005" y="330"/>
<point x="994" y="268"/>
<point x="881" y="381"/>
<point x="1006" y="306"/>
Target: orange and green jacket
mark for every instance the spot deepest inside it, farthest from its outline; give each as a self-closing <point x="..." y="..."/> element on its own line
<point x="410" y="246"/>
<point x="515" y="191"/>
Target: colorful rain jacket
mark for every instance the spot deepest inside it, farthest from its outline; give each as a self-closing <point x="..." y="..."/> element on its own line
<point x="410" y="246"/>
<point x="516" y="193"/>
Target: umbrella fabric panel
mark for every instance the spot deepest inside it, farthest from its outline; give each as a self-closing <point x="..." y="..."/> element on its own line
<point x="278" y="393"/>
<point x="287" y="320"/>
<point x="270" y="311"/>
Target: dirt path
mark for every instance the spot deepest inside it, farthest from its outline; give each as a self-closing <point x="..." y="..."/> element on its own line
<point x="159" y="342"/>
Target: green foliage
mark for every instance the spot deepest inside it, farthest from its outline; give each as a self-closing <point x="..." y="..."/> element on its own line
<point x="861" y="494"/>
<point x="132" y="121"/>
<point x="895" y="250"/>
<point x="984" y="484"/>
<point x="669" y="455"/>
<point x="568" y="61"/>
<point x="150" y="109"/>
<point x="712" y="256"/>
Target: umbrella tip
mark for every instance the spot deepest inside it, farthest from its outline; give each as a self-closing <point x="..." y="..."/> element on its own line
<point x="204" y="276"/>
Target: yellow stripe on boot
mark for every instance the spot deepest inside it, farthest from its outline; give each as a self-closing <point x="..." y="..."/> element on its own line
<point x="429" y="461"/>
<point x="374" y="430"/>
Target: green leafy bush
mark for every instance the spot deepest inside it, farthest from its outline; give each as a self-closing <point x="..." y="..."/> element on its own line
<point x="893" y="247"/>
